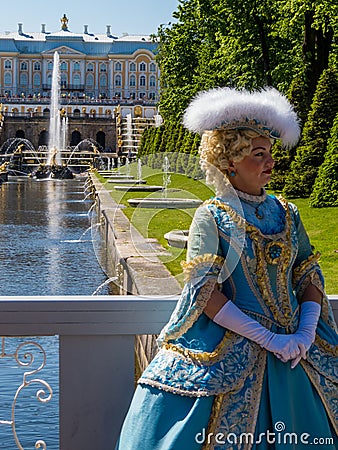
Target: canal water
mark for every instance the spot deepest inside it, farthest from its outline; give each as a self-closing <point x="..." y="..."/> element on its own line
<point x="49" y="245"/>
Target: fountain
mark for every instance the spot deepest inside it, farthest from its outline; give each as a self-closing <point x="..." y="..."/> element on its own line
<point x="129" y="131"/>
<point x="138" y="184"/>
<point x="166" y="177"/>
<point x="54" y="141"/>
<point x="17" y="152"/>
<point x="158" y="120"/>
<point x="64" y="131"/>
<point x="139" y="169"/>
<point x="104" y="284"/>
<point x="54" y="168"/>
<point x="153" y="201"/>
<point x="88" y="150"/>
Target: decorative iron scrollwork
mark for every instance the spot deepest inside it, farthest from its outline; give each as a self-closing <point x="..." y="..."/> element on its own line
<point x="25" y="358"/>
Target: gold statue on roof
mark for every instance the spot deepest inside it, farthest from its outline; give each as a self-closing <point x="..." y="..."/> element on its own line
<point x="64" y="22"/>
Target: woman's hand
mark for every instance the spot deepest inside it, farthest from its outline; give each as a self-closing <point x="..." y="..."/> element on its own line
<point x="284" y="346"/>
<point x="306" y="332"/>
<point x="216" y="301"/>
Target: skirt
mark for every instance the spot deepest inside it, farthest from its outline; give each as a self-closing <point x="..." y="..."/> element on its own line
<point x="291" y="416"/>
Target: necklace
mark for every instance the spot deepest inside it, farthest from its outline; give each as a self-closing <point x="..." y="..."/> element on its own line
<point x="259" y="215"/>
<point x="256" y="201"/>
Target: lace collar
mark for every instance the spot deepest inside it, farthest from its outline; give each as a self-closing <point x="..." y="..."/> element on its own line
<point x="252" y="198"/>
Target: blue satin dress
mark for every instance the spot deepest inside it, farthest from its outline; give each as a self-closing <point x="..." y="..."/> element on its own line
<point x="210" y="388"/>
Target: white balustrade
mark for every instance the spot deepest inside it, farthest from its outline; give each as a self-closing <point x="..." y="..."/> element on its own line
<point x="96" y="355"/>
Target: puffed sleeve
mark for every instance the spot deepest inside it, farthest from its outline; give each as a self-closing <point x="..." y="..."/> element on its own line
<point x="204" y="263"/>
<point x="306" y="269"/>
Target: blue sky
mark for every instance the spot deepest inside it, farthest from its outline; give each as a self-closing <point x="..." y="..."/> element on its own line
<point x="124" y="16"/>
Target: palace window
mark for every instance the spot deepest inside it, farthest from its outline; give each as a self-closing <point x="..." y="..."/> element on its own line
<point x="23" y="79"/>
<point x="103" y="68"/>
<point x="142" y="80"/>
<point x="8" y="79"/>
<point x="152" y="81"/>
<point x="143" y="67"/>
<point x="90" y="67"/>
<point x="36" y="79"/>
<point x="49" y="79"/>
<point x="64" y="80"/>
<point x="76" y="66"/>
<point x="152" y="96"/>
<point x="132" y="67"/>
<point x="50" y="65"/>
<point x="103" y="80"/>
<point x="64" y="65"/>
<point x="90" y="80"/>
<point x="118" y="80"/>
<point x="24" y="66"/>
<point x="118" y="67"/>
<point x="76" y="80"/>
<point x="8" y="64"/>
<point x="152" y="67"/>
<point x="37" y="66"/>
<point x="132" y="81"/>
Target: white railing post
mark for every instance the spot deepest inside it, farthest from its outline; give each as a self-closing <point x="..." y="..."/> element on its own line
<point x="96" y="385"/>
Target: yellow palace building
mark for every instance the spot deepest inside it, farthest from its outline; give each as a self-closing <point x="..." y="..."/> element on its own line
<point x="92" y="65"/>
<point x="98" y="74"/>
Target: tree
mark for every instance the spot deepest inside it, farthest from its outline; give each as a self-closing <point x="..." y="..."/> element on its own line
<point x="177" y="48"/>
<point x="325" y="190"/>
<point x="283" y="43"/>
<point x="310" y="153"/>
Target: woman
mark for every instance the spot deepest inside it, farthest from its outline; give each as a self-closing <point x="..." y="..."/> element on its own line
<point x="249" y="357"/>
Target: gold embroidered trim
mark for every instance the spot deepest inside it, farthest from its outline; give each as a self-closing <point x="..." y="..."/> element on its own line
<point x="200" y="356"/>
<point x="225" y="406"/>
<point x="330" y="348"/>
<point x="308" y="267"/>
<point x="172" y="389"/>
<point x="208" y="260"/>
<point x="215" y="412"/>
<point x="327" y="314"/>
<point x="280" y="307"/>
<point x="304" y="266"/>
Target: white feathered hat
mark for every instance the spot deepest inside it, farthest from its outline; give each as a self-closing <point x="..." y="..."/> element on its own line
<point x="266" y="111"/>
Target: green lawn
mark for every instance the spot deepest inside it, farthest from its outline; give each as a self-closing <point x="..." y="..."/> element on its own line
<point x="321" y="224"/>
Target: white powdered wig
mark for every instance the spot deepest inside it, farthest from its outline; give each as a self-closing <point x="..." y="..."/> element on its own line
<point x="267" y="111"/>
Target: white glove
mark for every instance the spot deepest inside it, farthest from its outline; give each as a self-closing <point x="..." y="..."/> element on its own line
<point x="306" y="332"/>
<point x="283" y="345"/>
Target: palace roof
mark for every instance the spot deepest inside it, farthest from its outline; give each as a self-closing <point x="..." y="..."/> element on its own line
<point x="86" y="43"/>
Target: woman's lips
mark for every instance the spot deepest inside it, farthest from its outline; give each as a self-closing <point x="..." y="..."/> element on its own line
<point x="268" y="171"/>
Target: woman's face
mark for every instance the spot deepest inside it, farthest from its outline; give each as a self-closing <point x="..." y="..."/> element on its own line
<point x="253" y="172"/>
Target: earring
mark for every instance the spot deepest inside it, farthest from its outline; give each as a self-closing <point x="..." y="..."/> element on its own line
<point x="232" y="173"/>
